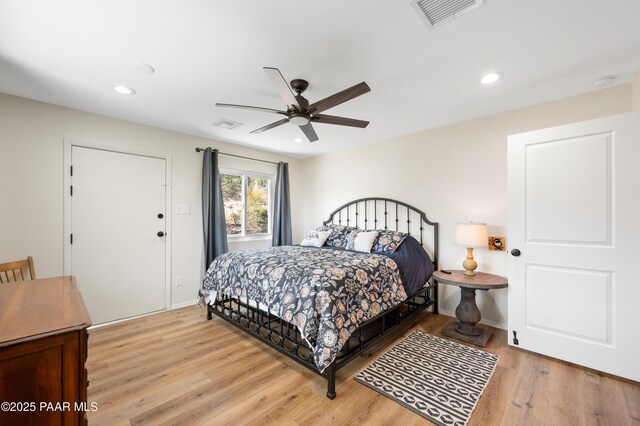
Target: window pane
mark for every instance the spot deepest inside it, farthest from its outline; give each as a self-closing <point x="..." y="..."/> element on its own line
<point x="232" y="196"/>
<point x="257" y="205"/>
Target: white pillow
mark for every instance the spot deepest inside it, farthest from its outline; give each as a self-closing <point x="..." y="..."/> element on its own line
<point x="364" y="241"/>
<point x="316" y="238"/>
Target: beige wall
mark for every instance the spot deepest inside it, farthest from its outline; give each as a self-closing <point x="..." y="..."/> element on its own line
<point x="635" y="93"/>
<point x="31" y="182"/>
<point x="455" y="174"/>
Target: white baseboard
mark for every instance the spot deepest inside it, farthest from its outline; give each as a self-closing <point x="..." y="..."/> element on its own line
<point x="124" y="319"/>
<point x="482" y="321"/>
<point x="176" y="306"/>
<point x="184" y="304"/>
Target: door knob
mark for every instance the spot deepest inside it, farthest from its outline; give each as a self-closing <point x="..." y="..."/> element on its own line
<point x="515" y="252"/>
<point x="160" y="215"/>
<point x="161" y="234"/>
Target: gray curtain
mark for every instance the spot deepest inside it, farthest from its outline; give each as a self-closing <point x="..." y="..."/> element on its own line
<point x="282" y="208"/>
<point x="213" y="222"/>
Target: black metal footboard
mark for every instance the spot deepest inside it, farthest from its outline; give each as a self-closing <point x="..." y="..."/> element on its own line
<point x="259" y="321"/>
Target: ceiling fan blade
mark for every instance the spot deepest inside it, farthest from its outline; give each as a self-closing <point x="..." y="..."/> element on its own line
<point x="275" y="111"/>
<point x="283" y="87"/>
<point x="338" y="98"/>
<point x="309" y="132"/>
<point x="271" y="126"/>
<point x="340" y="121"/>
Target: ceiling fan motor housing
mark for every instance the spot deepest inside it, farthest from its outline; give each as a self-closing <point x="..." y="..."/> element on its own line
<point x="299" y="85"/>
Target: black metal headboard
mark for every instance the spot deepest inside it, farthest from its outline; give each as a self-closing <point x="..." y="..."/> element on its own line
<point x="385" y="213"/>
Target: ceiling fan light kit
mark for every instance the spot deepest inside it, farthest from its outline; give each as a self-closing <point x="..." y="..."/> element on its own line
<point x="298" y="119"/>
<point x="299" y="112"/>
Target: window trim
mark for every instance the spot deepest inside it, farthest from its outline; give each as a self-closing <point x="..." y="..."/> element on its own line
<point x="244" y="174"/>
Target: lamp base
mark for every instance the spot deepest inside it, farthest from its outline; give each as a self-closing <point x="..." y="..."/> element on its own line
<point x="469" y="264"/>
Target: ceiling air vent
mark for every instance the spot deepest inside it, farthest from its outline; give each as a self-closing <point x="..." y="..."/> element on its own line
<point x="437" y="12"/>
<point x="227" y="124"/>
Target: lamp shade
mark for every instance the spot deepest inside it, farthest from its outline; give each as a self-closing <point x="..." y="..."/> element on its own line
<point x="471" y="234"/>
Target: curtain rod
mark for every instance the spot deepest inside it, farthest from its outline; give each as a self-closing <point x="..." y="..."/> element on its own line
<point x="240" y="156"/>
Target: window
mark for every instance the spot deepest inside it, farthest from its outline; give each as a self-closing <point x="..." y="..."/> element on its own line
<point x="247" y="203"/>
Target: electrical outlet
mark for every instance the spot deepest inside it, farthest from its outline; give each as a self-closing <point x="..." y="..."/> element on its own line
<point x="178" y="281"/>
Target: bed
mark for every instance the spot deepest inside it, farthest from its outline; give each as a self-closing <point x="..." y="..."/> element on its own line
<point x="322" y="306"/>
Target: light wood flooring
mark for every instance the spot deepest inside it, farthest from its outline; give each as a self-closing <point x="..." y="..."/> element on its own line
<point x="178" y="368"/>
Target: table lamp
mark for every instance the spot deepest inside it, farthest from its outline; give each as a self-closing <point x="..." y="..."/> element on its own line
<point x="471" y="235"/>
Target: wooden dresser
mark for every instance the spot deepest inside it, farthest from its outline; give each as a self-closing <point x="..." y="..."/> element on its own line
<point x="43" y="349"/>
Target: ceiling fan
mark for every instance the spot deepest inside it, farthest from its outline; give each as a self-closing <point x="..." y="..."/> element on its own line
<point x="300" y="112"/>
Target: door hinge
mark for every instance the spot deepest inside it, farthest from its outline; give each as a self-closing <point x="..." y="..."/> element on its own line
<point x="71" y="190"/>
<point x="71" y="167"/>
<point x="515" y="338"/>
<point x="70" y="238"/>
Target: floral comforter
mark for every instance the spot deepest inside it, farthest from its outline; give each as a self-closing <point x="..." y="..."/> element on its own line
<point x="326" y="293"/>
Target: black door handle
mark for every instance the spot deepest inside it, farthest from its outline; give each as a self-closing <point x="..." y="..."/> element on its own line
<point x="515" y="252"/>
<point x="160" y="234"/>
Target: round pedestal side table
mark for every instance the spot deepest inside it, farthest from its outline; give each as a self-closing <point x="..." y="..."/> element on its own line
<point x="467" y="311"/>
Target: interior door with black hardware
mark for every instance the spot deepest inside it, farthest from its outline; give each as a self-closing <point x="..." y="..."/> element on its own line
<point x="574" y="204"/>
<point x="118" y="230"/>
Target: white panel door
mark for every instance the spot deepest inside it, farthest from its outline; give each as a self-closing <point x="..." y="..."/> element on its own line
<point x="116" y="255"/>
<point x="574" y="209"/>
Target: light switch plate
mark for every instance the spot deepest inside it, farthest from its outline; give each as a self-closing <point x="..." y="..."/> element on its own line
<point x="182" y="209"/>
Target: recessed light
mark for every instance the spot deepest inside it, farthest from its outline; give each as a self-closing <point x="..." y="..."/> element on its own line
<point x="298" y="140"/>
<point x="604" y="82"/>
<point x="124" y="90"/>
<point x="143" y="68"/>
<point x="492" y="77"/>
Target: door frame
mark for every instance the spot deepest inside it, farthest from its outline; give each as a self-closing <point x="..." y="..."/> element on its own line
<point x="68" y="145"/>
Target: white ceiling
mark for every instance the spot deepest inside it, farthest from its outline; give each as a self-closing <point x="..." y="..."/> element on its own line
<point x="71" y="52"/>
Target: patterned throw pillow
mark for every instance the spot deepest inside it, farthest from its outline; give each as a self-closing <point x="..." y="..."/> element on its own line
<point x="338" y="237"/>
<point x="315" y="238"/>
<point x="388" y="241"/>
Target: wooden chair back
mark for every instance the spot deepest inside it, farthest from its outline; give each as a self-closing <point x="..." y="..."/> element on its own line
<point x="14" y="271"/>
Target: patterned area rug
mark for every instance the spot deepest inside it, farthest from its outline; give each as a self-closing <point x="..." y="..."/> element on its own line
<point x="436" y="378"/>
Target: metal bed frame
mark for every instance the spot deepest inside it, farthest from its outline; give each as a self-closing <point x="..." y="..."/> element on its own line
<point x="260" y="322"/>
